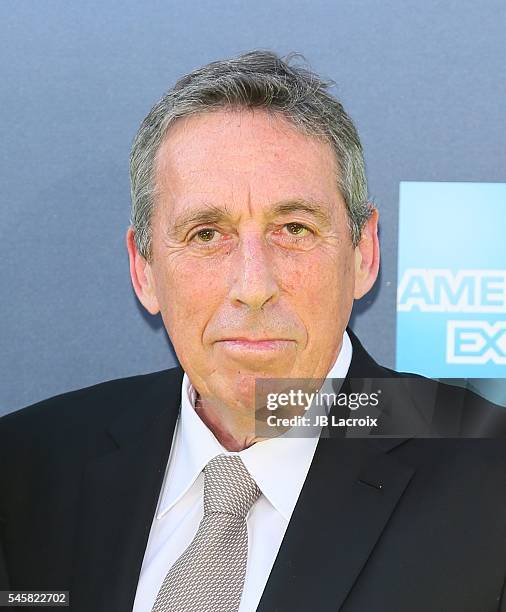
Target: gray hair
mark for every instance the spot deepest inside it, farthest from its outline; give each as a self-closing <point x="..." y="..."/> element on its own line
<point x="258" y="79"/>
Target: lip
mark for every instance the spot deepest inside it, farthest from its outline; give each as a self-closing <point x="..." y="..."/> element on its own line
<point x="256" y="344"/>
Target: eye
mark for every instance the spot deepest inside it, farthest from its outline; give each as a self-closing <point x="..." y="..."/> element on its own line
<point x="297" y="229"/>
<point x="204" y="235"/>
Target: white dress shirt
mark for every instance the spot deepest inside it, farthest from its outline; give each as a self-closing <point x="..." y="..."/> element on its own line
<point x="180" y="506"/>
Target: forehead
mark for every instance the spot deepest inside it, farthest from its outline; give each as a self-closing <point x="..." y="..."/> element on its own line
<point x="230" y="156"/>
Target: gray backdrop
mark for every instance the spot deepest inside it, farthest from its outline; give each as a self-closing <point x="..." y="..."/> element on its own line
<point x="424" y="81"/>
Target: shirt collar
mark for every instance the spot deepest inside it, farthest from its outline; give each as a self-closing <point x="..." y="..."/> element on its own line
<point x="195" y="445"/>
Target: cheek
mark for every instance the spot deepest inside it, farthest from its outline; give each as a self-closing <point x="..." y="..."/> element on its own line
<point x="305" y="288"/>
<point x="319" y="283"/>
<point x="191" y="293"/>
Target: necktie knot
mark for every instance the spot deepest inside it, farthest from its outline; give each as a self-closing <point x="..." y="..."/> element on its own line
<point x="228" y="487"/>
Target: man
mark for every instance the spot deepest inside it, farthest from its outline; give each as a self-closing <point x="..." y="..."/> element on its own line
<point x="252" y="236"/>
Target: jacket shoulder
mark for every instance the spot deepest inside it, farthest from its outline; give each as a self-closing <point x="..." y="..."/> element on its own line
<point x="99" y="403"/>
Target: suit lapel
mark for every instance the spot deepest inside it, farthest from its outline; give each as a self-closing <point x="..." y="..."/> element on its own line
<point x="119" y="495"/>
<point x="350" y="492"/>
<point x="352" y="488"/>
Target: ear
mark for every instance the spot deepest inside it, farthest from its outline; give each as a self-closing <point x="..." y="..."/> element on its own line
<point x="367" y="257"/>
<point x="142" y="275"/>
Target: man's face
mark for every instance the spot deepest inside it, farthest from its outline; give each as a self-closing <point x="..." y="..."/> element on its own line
<point x="253" y="267"/>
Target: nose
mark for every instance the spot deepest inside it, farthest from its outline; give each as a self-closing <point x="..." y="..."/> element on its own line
<point x="253" y="278"/>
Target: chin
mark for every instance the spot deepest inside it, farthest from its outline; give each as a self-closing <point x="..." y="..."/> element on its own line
<point x="243" y="384"/>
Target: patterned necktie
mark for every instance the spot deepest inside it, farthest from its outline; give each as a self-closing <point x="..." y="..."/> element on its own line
<point x="209" y="575"/>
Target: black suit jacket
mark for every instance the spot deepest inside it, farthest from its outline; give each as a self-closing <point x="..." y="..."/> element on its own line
<point x="381" y="525"/>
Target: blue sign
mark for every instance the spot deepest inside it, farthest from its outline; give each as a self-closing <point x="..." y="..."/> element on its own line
<point x="451" y="294"/>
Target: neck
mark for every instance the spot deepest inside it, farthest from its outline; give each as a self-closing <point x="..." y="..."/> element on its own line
<point x="235" y="431"/>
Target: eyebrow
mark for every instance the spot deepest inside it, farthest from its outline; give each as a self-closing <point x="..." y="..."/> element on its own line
<point x="208" y="213"/>
<point x="212" y="214"/>
<point x="319" y="210"/>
